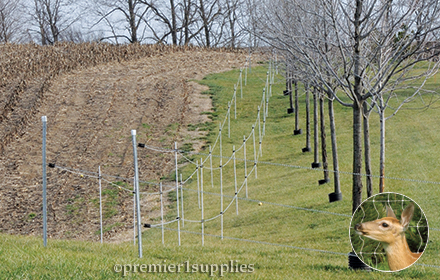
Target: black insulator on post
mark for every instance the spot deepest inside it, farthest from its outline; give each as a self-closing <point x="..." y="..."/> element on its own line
<point x="140" y="145"/>
<point x="51" y="165"/>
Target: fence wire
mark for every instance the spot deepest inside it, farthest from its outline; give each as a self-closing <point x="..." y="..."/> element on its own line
<point x="281" y="245"/>
<point x="262" y="108"/>
<point x="173" y="188"/>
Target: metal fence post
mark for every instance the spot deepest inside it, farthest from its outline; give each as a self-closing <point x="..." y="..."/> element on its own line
<point x="177" y="191"/>
<point x="136" y="186"/>
<point x="100" y="201"/>
<point x="44" y="120"/>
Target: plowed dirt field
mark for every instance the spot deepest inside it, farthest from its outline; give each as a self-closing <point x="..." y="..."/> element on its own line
<point x="90" y="115"/>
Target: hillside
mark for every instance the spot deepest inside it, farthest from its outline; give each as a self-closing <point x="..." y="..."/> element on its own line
<point x="294" y="232"/>
<point x="93" y="95"/>
<point x="284" y="227"/>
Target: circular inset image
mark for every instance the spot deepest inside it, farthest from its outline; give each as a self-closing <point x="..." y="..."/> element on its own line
<point x="389" y="232"/>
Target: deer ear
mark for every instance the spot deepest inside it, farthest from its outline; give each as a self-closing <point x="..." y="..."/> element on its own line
<point x="407" y="215"/>
<point x="390" y="212"/>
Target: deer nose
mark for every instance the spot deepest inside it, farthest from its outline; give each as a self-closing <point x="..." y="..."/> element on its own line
<point x="357" y="226"/>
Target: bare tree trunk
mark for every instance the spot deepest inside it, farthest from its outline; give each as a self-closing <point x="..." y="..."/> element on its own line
<point x="367" y="153"/>
<point x="331" y="115"/>
<point x="357" y="109"/>
<point x="233" y="36"/>
<point x="39" y="17"/>
<point x="307" y="148"/>
<point x="232" y="8"/>
<point x="382" y="151"/>
<point x="297" y="131"/>
<point x="132" y="22"/>
<point x="186" y="23"/>
<point x="52" y="19"/>
<point x="173" y="22"/>
<point x="315" y="163"/>
<point x="323" y="140"/>
<point x="43" y="35"/>
<point x="290" y="110"/>
<point x="205" y="24"/>
<point x="357" y="156"/>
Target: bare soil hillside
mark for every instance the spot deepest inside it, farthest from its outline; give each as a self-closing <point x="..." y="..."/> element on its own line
<point x="91" y="111"/>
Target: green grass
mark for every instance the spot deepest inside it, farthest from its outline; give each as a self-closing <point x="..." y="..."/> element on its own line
<point x="111" y="200"/>
<point x="412" y="152"/>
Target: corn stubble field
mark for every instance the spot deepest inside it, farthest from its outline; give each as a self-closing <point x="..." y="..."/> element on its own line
<point x="94" y="94"/>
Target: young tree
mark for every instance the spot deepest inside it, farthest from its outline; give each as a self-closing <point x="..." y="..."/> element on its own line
<point x="297" y="130"/>
<point x="323" y="139"/>
<point x="315" y="163"/>
<point x="307" y="148"/>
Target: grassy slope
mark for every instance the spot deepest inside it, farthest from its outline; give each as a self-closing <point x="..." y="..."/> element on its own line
<point x="411" y="153"/>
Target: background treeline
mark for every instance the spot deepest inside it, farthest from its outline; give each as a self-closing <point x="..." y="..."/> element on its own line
<point x="211" y="23"/>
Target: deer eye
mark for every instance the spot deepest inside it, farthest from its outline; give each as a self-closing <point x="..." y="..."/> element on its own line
<point x="385" y="225"/>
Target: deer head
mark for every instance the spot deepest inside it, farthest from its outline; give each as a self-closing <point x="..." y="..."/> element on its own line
<point x="391" y="233"/>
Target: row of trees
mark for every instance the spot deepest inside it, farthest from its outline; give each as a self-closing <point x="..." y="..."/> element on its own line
<point x="364" y="54"/>
<point x="208" y="23"/>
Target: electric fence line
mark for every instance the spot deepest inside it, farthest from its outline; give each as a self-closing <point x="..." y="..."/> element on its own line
<point x="202" y="164"/>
